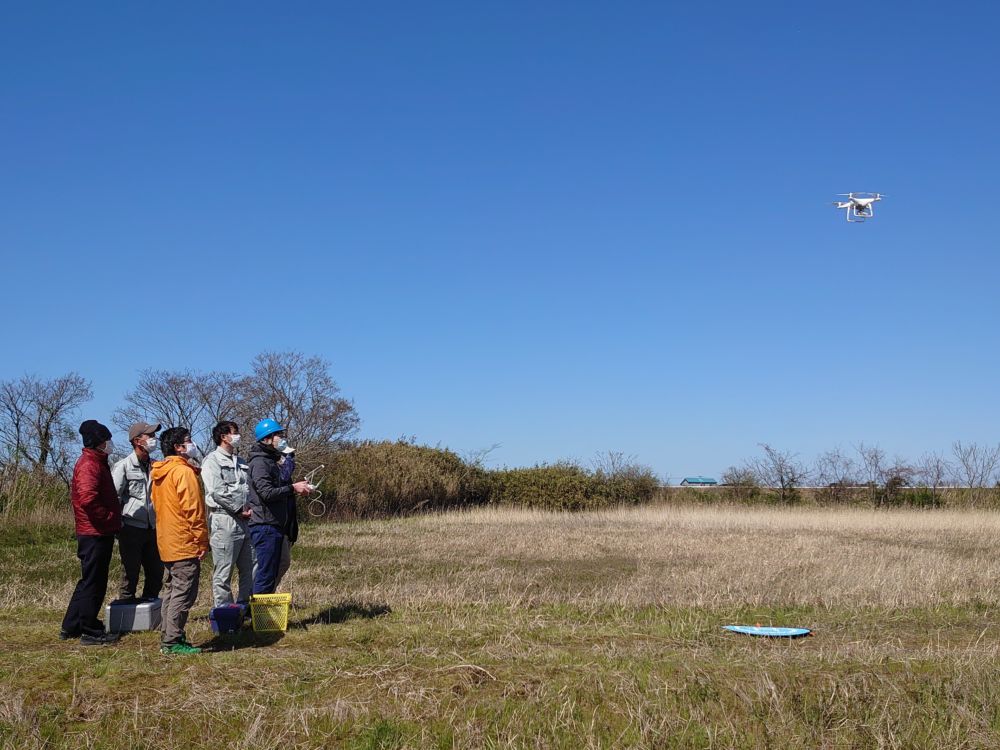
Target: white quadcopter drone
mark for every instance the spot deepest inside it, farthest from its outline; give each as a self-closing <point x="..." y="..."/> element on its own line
<point x="858" y="208"/>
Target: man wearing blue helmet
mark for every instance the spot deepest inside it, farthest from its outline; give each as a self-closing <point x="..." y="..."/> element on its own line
<point x="268" y="498"/>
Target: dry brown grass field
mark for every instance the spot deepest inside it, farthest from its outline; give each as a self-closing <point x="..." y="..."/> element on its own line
<point x="507" y="628"/>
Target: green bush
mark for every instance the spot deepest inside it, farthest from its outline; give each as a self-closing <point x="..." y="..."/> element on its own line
<point x="567" y="486"/>
<point x="921" y="497"/>
<point x="385" y="478"/>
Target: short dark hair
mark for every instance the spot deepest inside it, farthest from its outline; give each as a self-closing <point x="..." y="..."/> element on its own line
<point x="171" y="437"/>
<point x="222" y="429"/>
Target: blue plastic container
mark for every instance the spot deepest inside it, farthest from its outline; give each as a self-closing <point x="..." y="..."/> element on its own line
<point x="226" y="619"/>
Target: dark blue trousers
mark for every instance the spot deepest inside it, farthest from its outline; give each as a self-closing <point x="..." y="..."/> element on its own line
<point x="84" y="611"/>
<point x="267" y="544"/>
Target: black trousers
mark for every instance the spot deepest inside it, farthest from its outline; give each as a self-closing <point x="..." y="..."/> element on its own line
<point x="138" y="550"/>
<point x="82" y="615"/>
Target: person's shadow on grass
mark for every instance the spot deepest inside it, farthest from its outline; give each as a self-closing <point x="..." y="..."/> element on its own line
<point x="342" y="612"/>
<point x="245" y="638"/>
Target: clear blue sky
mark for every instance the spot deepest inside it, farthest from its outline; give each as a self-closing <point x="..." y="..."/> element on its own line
<point x="562" y="227"/>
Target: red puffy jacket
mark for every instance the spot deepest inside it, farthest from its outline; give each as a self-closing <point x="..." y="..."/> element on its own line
<point x="96" y="506"/>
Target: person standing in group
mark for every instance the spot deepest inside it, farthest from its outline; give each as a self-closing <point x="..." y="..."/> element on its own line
<point x="268" y="498"/>
<point x="181" y="534"/>
<point x="98" y="517"/>
<point x="137" y="539"/>
<point x="224" y="475"/>
<point x="286" y="470"/>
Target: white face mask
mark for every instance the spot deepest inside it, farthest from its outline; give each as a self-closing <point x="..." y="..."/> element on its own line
<point x="190" y="450"/>
<point x="234" y="440"/>
<point x="108" y="447"/>
<point x="150" y="444"/>
<point x="280" y="444"/>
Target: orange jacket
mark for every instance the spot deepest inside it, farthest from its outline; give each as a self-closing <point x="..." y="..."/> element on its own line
<point x="181" y="531"/>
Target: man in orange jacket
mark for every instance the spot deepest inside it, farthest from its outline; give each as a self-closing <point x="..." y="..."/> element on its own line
<point x="181" y="534"/>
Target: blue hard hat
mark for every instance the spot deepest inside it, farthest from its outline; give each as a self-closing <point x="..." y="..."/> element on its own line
<point x="266" y="427"/>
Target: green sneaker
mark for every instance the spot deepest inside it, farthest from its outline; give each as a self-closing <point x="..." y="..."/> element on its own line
<point x="180" y="648"/>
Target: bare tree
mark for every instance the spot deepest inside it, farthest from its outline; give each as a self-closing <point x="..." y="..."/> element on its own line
<point x="299" y="392"/>
<point x="885" y="479"/>
<point x="13" y="420"/>
<point x="872" y="468"/>
<point x="476" y="458"/>
<point x="741" y="482"/>
<point x="35" y="418"/>
<point x="975" y="465"/>
<point x="837" y="474"/>
<point x="51" y="403"/>
<point x="295" y="390"/>
<point x="896" y="477"/>
<point x="612" y="463"/>
<point x="220" y="395"/>
<point x="171" y="398"/>
<point x="933" y="470"/>
<point x="780" y="470"/>
<point x="185" y="398"/>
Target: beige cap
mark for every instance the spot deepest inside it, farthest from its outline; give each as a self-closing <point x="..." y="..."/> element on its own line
<point x="141" y="428"/>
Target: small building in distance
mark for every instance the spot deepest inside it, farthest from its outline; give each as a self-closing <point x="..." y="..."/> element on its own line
<point x="699" y="482"/>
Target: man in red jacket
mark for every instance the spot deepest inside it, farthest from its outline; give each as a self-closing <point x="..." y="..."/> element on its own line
<point x="98" y="515"/>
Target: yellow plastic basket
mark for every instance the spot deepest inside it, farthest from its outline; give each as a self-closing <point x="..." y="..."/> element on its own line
<point x="269" y="612"/>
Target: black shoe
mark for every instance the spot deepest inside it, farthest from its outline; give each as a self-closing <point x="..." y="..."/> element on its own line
<point x="65" y="635"/>
<point x="104" y="639"/>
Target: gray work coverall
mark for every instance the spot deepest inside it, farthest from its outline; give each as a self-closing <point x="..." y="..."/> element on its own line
<point x="137" y="539"/>
<point x="225" y="480"/>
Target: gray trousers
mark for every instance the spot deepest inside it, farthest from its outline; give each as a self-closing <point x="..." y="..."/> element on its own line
<point x="180" y="584"/>
<point x="229" y="539"/>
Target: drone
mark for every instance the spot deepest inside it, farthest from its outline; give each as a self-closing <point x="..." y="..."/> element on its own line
<point x="858" y="208"/>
